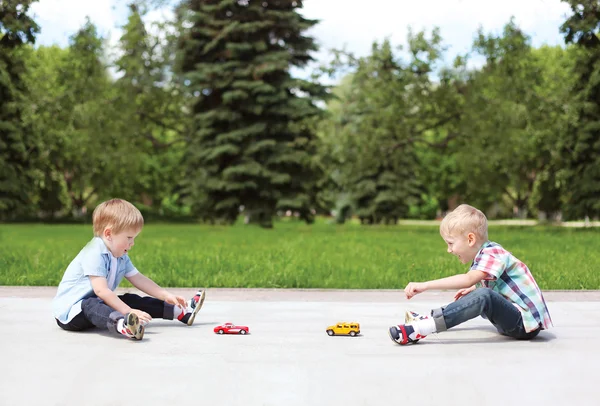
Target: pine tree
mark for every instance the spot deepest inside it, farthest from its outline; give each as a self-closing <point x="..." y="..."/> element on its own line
<point x="251" y="146"/>
<point x="583" y="144"/>
<point x="19" y="147"/>
<point x="151" y="108"/>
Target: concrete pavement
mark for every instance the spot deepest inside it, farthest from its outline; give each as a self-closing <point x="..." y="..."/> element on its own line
<point x="289" y="360"/>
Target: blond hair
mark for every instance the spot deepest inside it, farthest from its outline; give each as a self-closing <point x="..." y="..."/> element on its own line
<point x="463" y="220"/>
<point x="118" y="215"/>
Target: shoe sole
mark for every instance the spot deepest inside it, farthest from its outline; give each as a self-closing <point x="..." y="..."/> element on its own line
<point x="140" y="333"/>
<point x="197" y="308"/>
<point x="133" y="324"/>
<point x="391" y="336"/>
<point x="400" y="334"/>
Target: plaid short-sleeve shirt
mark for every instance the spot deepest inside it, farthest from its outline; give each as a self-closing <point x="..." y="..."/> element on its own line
<point x="511" y="278"/>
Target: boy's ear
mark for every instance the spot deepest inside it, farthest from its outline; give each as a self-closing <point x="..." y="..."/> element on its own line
<point x="472" y="239"/>
<point x="107" y="233"/>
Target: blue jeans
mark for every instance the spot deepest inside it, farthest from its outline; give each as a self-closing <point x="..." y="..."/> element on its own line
<point x="488" y="304"/>
<point x="95" y="313"/>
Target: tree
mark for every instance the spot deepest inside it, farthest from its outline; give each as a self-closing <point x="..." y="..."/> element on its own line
<point x="19" y="147"/>
<point x="250" y="146"/>
<point x="388" y="111"/>
<point x="151" y="107"/>
<point x="380" y="184"/>
<point x="582" y="147"/>
<point x="514" y="116"/>
<point x="41" y="115"/>
<point x="557" y="80"/>
<point x="85" y="145"/>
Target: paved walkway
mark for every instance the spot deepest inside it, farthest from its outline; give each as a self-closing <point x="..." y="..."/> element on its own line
<point x="289" y="360"/>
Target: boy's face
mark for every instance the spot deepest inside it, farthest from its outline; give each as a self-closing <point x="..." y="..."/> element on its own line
<point x="119" y="244"/>
<point x="465" y="247"/>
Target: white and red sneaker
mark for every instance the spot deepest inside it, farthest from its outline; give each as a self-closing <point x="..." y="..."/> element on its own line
<point x="411" y="317"/>
<point x="194" y="306"/>
<point x="404" y="334"/>
<point x="132" y="327"/>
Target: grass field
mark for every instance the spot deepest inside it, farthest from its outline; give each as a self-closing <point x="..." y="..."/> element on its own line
<point x="294" y="255"/>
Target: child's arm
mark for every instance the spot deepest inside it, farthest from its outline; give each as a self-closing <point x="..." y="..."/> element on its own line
<point x="452" y="282"/>
<point x="464" y="292"/>
<point x="149" y="287"/>
<point x="111" y="299"/>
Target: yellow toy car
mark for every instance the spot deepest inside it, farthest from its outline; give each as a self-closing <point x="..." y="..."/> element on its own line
<point x="344" y="328"/>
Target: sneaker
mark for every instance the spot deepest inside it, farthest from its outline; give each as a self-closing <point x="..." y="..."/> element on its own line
<point x="194" y="307"/>
<point x="404" y="334"/>
<point x="132" y="327"/>
<point x="410" y="317"/>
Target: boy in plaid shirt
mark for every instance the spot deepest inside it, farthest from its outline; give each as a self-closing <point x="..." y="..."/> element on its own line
<point x="497" y="286"/>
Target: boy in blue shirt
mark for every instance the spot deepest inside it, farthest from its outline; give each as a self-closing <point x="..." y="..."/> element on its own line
<point x="86" y="296"/>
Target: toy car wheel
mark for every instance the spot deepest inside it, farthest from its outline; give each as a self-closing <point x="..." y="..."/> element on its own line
<point x="220" y="331"/>
<point x="352" y="333"/>
<point x="330" y="332"/>
<point x="242" y="332"/>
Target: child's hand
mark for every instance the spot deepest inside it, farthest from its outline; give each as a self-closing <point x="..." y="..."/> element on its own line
<point x="144" y="317"/>
<point x="414" y="288"/>
<point x="463" y="292"/>
<point x="176" y="301"/>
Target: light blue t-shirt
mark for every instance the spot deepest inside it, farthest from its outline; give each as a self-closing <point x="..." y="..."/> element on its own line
<point x="93" y="260"/>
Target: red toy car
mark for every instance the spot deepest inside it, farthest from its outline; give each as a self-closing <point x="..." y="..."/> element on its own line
<point x="230" y="328"/>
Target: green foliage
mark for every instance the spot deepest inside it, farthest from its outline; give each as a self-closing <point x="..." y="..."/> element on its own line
<point x="104" y="138"/>
<point x="515" y="117"/>
<point x="582" y="146"/>
<point x="42" y="79"/>
<point x="488" y="136"/>
<point x="386" y="112"/>
<point x="201" y="117"/>
<point x="75" y="112"/>
<point x="19" y="149"/>
<point x="151" y="111"/>
<point x="250" y="144"/>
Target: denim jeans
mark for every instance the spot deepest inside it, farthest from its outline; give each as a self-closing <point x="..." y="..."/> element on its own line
<point x="490" y="305"/>
<point x="95" y="313"/>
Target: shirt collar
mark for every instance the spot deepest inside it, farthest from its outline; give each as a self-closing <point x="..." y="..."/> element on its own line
<point x="484" y="245"/>
<point x="99" y="242"/>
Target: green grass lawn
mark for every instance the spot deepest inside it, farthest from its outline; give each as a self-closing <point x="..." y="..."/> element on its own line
<point x="295" y="255"/>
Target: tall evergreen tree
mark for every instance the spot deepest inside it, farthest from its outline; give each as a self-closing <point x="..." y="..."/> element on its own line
<point x="19" y="147"/>
<point x="250" y="145"/>
<point x="150" y="106"/>
<point x="582" y="147"/>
